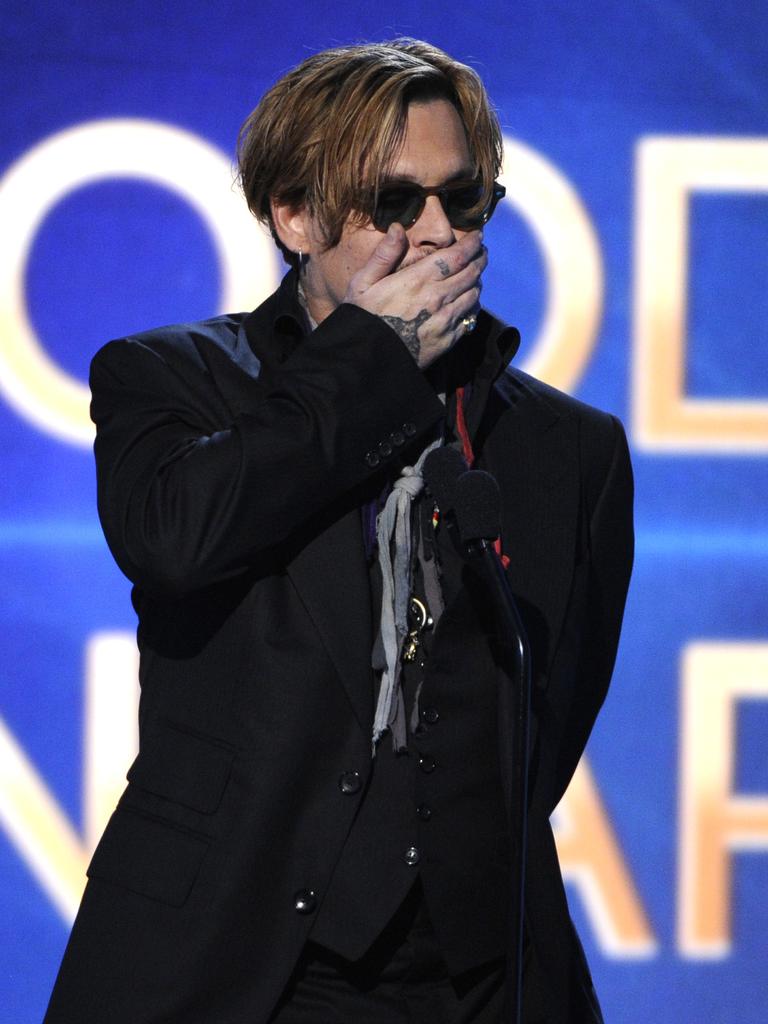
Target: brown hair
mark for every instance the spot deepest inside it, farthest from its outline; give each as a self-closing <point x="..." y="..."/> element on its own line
<point x="326" y="133"/>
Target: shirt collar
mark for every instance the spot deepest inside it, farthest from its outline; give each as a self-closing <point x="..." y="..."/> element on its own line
<point x="276" y="327"/>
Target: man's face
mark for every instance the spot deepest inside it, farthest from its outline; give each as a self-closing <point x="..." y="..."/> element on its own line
<point x="434" y="153"/>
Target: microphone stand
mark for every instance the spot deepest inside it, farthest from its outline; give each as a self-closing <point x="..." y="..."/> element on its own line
<point x="514" y="707"/>
<point x="471" y="502"/>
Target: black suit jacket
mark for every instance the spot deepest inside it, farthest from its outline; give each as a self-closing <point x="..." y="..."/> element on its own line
<point x="233" y="459"/>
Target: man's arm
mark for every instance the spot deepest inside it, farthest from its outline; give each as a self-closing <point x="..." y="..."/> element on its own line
<point x="185" y="500"/>
<point x="609" y="491"/>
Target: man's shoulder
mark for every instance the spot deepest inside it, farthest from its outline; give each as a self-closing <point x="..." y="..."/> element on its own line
<point x="190" y="344"/>
<point x="598" y="435"/>
<point x="516" y="386"/>
<point x="182" y="337"/>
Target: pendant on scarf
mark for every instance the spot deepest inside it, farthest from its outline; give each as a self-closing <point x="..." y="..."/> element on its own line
<point x="419" y="620"/>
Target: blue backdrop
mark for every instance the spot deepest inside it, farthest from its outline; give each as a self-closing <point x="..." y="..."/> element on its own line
<point x="633" y="254"/>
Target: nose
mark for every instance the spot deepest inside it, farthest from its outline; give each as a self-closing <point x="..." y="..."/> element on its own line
<point x="432" y="227"/>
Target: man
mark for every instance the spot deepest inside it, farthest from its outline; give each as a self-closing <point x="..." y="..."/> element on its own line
<point x="315" y="827"/>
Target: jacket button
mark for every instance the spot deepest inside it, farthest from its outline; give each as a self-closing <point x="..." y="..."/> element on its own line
<point x="350" y="782"/>
<point x="409" y="429"/>
<point x="304" y="901"/>
<point x="385" y="449"/>
<point x="430" y="715"/>
<point x="397" y="438"/>
<point x="372" y="458"/>
<point x="411" y="856"/>
<point x="427" y="764"/>
<point x="424" y="812"/>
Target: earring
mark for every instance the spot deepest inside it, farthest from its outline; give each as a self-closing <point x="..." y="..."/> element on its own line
<point x="301" y="260"/>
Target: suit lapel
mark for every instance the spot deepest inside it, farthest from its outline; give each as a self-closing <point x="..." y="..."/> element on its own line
<point x="533" y="453"/>
<point x="331" y="577"/>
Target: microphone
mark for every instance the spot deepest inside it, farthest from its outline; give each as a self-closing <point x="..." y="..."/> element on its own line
<point x="477" y="506"/>
<point x="476" y="517"/>
<point x="442" y="469"/>
<point x="468" y="499"/>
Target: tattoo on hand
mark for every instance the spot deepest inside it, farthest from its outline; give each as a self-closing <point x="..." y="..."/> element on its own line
<point x="443" y="267"/>
<point x="407" y="329"/>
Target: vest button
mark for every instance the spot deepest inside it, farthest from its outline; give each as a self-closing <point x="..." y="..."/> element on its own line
<point x="424" y="812"/>
<point x="409" y="429"/>
<point x="430" y="715"/>
<point x="411" y="856"/>
<point x="373" y="459"/>
<point x="385" y="449"/>
<point x="350" y="782"/>
<point x="427" y="764"/>
<point x="304" y="901"/>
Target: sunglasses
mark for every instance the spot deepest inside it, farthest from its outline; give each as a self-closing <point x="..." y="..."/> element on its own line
<point x="464" y="203"/>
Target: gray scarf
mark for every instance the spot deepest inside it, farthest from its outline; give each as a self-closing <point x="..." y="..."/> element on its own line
<point x="393" y="531"/>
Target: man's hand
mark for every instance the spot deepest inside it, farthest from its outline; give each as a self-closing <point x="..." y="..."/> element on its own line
<point x="426" y="302"/>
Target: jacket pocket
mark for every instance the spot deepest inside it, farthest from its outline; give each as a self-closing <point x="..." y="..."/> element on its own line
<point x="149" y="856"/>
<point x="185" y="767"/>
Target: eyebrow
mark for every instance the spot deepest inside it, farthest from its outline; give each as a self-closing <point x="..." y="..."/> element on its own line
<point x="406" y="179"/>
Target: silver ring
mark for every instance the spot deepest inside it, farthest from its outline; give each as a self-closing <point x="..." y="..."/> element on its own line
<point x="469" y="323"/>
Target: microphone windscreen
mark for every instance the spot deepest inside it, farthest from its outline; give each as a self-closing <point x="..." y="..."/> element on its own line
<point x="477" y="506"/>
<point x="442" y="468"/>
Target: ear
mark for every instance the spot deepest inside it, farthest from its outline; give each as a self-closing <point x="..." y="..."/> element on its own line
<point x="292" y="226"/>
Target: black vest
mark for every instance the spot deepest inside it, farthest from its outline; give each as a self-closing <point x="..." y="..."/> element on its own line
<point x="435" y="812"/>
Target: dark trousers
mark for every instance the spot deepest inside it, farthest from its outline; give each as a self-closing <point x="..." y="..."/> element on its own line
<point x="401" y="980"/>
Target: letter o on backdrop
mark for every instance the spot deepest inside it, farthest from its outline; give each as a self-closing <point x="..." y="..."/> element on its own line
<point x="552" y="209"/>
<point x="34" y="385"/>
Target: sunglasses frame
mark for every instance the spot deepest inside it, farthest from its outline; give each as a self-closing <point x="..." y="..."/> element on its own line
<point x="443" y="192"/>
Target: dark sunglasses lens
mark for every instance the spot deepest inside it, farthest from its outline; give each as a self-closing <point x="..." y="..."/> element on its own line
<point x="397" y="204"/>
<point x="463" y="206"/>
<point x="466" y="210"/>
